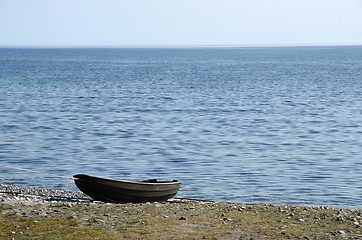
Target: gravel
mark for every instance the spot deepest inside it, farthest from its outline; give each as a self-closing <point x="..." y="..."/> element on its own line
<point x="11" y="192"/>
<point x="28" y="212"/>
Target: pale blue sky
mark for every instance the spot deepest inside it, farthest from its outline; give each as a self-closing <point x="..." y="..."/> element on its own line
<point x="174" y="22"/>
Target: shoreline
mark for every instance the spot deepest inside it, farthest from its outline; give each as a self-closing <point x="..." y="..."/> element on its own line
<point x="7" y="192"/>
<point x="58" y="214"/>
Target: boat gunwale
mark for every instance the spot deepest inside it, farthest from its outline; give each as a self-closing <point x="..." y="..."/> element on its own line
<point x="174" y="182"/>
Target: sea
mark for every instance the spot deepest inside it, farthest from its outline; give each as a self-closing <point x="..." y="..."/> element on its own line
<point x="253" y="125"/>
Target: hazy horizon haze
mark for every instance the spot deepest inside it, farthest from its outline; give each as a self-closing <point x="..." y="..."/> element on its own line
<point x="180" y="23"/>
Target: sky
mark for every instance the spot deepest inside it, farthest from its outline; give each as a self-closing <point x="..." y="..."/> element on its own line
<point x="179" y="22"/>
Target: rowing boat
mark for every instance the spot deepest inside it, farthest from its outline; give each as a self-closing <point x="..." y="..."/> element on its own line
<point x="117" y="191"/>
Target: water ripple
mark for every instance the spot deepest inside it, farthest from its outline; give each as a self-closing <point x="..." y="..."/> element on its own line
<point x="239" y="125"/>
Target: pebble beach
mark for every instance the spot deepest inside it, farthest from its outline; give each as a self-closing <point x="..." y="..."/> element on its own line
<point x="29" y="213"/>
<point x="11" y="192"/>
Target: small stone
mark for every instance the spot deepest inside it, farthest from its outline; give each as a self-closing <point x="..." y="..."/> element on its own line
<point x="341" y="232"/>
<point x="182" y="218"/>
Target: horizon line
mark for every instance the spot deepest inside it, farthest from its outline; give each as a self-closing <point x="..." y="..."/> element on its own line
<point x="184" y="45"/>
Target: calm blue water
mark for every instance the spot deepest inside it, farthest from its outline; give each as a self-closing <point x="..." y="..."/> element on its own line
<point x="247" y="125"/>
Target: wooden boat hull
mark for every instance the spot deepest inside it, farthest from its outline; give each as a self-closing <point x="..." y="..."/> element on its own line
<point x="116" y="191"/>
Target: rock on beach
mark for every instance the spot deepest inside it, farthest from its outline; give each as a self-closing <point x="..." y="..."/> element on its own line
<point x="11" y="192"/>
